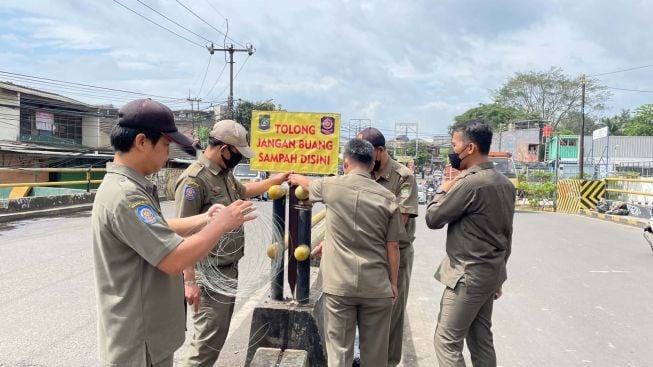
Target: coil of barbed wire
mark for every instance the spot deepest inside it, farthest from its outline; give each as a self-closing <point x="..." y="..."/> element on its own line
<point x="254" y="268"/>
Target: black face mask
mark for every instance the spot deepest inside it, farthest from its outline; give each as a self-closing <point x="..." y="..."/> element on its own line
<point x="233" y="161"/>
<point x="455" y="160"/>
<point x="377" y="166"/>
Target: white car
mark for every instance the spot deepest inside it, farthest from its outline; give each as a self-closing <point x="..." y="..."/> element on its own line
<point x="243" y="174"/>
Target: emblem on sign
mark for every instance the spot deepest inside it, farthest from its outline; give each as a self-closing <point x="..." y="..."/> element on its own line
<point x="264" y="122"/>
<point x="328" y="125"/>
<point x="146" y="214"/>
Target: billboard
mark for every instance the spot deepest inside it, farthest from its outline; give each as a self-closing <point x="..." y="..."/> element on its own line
<point x="600" y="133"/>
<point x="303" y="142"/>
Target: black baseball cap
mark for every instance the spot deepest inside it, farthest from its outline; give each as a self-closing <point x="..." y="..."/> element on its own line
<point x="154" y="116"/>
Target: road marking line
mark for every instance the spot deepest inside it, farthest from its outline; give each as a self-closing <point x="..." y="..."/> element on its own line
<point x="246" y="310"/>
<point x="609" y="271"/>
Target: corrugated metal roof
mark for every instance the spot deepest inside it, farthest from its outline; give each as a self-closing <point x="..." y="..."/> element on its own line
<point x="621" y="147"/>
<point x="42" y="94"/>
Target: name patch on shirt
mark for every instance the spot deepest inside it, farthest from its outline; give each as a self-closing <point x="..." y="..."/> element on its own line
<point x="146" y="214"/>
<point x="405" y="191"/>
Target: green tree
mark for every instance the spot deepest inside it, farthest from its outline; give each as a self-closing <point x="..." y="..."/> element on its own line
<point x="616" y="123"/>
<point x="642" y="122"/>
<point x="202" y="133"/>
<point x="551" y="95"/>
<point x="444" y="155"/>
<point x="423" y="155"/>
<point x="243" y="112"/>
<point x="566" y="132"/>
<point x="494" y="114"/>
<point x="571" y="122"/>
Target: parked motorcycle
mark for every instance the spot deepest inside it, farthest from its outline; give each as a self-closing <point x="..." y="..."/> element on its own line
<point x="430" y="192"/>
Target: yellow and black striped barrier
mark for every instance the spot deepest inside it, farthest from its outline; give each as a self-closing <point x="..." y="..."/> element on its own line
<point x="591" y="192"/>
<point x="568" y="200"/>
<point x="574" y="195"/>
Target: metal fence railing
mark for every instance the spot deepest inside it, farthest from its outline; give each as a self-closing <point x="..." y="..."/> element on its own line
<point x="87" y="173"/>
<point x="641" y="169"/>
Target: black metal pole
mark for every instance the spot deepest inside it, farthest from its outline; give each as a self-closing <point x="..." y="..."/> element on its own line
<point x="230" y="101"/>
<point x="277" y="271"/>
<point x="304" y="267"/>
<point x="88" y="180"/>
<point x="581" y="155"/>
<point x="293" y="221"/>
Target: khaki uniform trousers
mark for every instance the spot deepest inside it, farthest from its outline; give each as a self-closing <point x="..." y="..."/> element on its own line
<point x="465" y="315"/>
<point x="210" y="326"/>
<point x="342" y="314"/>
<point x="399" y="308"/>
<point x="164" y="363"/>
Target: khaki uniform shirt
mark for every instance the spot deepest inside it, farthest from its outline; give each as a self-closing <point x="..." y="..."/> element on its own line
<point x="203" y="184"/>
<point x="361" y="217"/>
<point x="479" y="209"/>
<point x="139" y="306"/>
<point x="400" y="181"/>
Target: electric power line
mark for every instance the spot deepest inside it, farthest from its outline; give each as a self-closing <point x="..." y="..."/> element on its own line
<point x="235" y="76"/>
<point x="216" y="81"/>
<point x="241" y="67"/>
<point x="631" y="90"/>
<point x="54" y="81"/>
<point x="206" y="72"/>
<point x="174" y="22"/>
<point x="207" y="23"/>
<point x="215" y="9"/>
<point x="623" y="70"/>
<point x="157" y="24"/>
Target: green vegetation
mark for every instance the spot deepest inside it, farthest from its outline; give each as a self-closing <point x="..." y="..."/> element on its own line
<point x="540" y="187"/>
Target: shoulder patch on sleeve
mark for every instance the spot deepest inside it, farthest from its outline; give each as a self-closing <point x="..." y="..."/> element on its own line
<point x="146" y="213"/>
<point x="191" y="191"/>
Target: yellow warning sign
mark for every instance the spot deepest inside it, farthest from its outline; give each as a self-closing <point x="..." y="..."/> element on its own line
<point x="303" y="142"/>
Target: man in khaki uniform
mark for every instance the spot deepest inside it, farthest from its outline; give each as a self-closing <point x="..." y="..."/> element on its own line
<point x="138" y="255"/>
<point x="401" y="182"/>
<point x="360" y="258"/>
<point x="206" y="182"/>
<point x="478" y="205"/>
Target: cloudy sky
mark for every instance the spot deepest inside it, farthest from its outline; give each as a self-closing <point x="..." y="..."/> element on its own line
<point x="388" y="61"/>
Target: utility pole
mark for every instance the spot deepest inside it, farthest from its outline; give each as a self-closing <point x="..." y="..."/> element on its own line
<point x="408" y="126"/>
<point x="230" y="49"/>
<point x="192" y="108"/>
<point x="581" y="155"/>
<point x="357" y="125"/>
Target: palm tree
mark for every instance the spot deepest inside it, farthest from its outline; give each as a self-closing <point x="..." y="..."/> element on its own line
<point x="616" y="123"/>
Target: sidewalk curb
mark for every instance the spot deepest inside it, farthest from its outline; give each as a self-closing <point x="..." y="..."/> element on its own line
<point x="621" y="219"/>
<point x="11" y="217"/>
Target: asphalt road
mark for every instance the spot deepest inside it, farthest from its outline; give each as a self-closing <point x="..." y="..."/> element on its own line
<point x="578" y="294"/>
